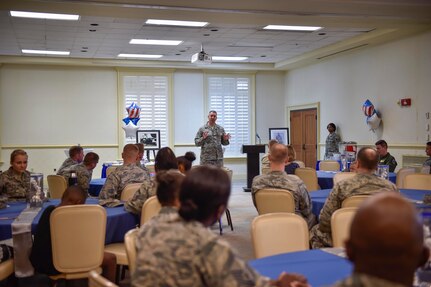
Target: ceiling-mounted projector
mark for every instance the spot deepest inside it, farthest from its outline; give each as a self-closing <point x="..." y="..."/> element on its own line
<point x="201" y="57"/>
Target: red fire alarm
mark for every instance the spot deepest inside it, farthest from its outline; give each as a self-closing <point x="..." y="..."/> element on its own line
<point x="407" y="102"/>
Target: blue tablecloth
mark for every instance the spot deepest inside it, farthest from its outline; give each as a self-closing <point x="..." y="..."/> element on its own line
<point x="319" y="267"/>
<point x="318" y="197"/>
<point x="96" y="186"/>
<point x="118" y="221"/>
<point x="326" y="178"/>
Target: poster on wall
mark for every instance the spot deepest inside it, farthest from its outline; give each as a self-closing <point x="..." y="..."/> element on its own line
<point x="279" y="134"/>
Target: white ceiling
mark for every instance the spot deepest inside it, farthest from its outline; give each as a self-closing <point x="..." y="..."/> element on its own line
<point x="235" y="29"/>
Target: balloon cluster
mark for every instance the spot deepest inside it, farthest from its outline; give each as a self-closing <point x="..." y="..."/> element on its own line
<point x="373" y="119"/>
<point x="133" y="112"/>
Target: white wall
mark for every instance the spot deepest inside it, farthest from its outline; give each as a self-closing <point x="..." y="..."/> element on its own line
<point x="382" y="74"/>
<point x="46" y="109"/>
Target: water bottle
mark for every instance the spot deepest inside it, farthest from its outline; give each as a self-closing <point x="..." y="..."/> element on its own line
<point x="73" y="179"/>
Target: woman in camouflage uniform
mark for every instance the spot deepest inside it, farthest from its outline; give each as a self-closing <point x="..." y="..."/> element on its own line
<point x="15" y="182"/>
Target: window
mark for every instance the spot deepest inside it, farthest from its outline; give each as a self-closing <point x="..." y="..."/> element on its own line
<point x="151" y="93"/>
<point x="231" y="97"/>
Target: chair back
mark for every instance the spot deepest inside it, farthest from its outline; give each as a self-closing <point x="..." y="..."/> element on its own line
<point x="150" y="208"/>
<point x="329" y="165"/>
<point x="97" y="280"/>
<point x="6" y="269"/>
<point x="78" y="237"/>
<point x="341" y="221"/>
<point x="129" y="243"/>
<point x="401" y="174"/>
<point x="56" y="185"/>
<point x="339" y="176"/>
<point x="110" y="169"/>
<point x="417" y="181"/>
<point x="309" y="177"/>
<point x="354" y="201"/>
<point x="129" y="190"/>
<point x="300" y="163"/>
<point x="271" y="200"/>
<point x="276" y="233"/>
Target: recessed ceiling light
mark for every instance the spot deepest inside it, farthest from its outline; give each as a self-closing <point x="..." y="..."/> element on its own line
<point x="51" y="16"/>
<point x="176" y="23"/>
<point x="140" y="56"/>
<point x="46" y="52"/>
<point x="155" y="42"/>
<point x="223" y="58"/>
<point x="291" y="28"/>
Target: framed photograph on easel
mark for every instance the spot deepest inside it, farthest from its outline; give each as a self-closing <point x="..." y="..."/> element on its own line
<point x="150" y="139"/>
<point x="279" y="134"/>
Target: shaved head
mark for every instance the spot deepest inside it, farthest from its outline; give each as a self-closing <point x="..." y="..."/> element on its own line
<point x="130" y="153"/>
<point x="278" y="153"/>
<point x="386" y="239"/>
<point x="368" y="159"/>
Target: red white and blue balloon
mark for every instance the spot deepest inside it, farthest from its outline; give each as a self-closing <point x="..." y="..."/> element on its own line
<point x="373" y="119"/>
<point x="133" y="112"/>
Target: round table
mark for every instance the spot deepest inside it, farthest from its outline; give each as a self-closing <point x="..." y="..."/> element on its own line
<point x="319" y="267"/>
<point x="319" y="197"/>
<point x="326" y="178"/>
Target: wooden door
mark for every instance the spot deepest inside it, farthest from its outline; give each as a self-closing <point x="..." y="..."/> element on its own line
<point x="303" y="132"/>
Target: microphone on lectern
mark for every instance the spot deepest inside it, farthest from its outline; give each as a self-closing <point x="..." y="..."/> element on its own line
<point x="257" y="135"/>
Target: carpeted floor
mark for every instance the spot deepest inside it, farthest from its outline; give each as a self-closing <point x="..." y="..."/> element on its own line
<point x="242" y="213"/>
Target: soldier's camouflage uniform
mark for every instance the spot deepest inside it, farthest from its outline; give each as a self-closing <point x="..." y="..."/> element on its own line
<point x="176" y="253"/>
<point x="14" y="187"/>
<point x="83" y="175"/>
<point x="279" y="179"/>
<point x="66" y="164"/>
<point x="119" y="178"/>
<point x="331" y="144"/>
<point x="144" y="168"/>
<point x="211" y="150"/>
<point x="364" y="280"/>
<point x="360" y="184"/>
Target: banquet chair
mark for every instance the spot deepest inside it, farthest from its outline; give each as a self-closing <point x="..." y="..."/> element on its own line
<point x="129" y="190"/>
<point x="150" y="208"/>
<point x="109" y="170"/>
<point x="309" y="177"/>
<point x="78" y="238"/>
<point x="97" y="280"/>
<point x="276" y="233"/>
<point x="6" y="269"/>
<point x="270" y="200"/>
<point x="329" y="165"/>
<point x="401" y="174"/>
<point x="354" y="201"/>
<point x="227" y="211"/>
<point x="341" y="220"/>
<point x="129" y="243"/>
<point x="339" y="176"/>
<point x="300" y="163"/>
<point x="417" y="181"/>
<point x="56" y="185"/>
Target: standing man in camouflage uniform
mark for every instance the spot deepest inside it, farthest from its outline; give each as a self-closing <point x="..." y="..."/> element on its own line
<point x="76" y="155"/>
<point x="210" y="138"/>
<point x="277" y="178"/>
<point x="123" y="175"/>
<point x="386" y="243"/>
<point x="332" y="141"/>
<point x="363" y="183"/>
<point x="83" y="170"/>
<point x="385" y="157"/>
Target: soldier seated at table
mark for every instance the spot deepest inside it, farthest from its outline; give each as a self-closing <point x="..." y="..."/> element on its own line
<point x="165" y="160"/>
<point x="41" y="253"/>
<point x="278" y="178"/>
<point x="83" y="170"/>
<point x="183" y="252"/>
<point x="123" y="175"/>
<point x="386" y="243"/>
<point x="76" y="155"/>
<point x="385" y="157"/>
<point x="364" y="182"/>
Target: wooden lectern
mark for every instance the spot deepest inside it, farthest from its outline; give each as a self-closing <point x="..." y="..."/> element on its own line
<point x="252" y="152"/>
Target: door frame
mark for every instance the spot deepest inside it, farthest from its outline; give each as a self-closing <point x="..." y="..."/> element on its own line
<point x="306" y="107"/>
